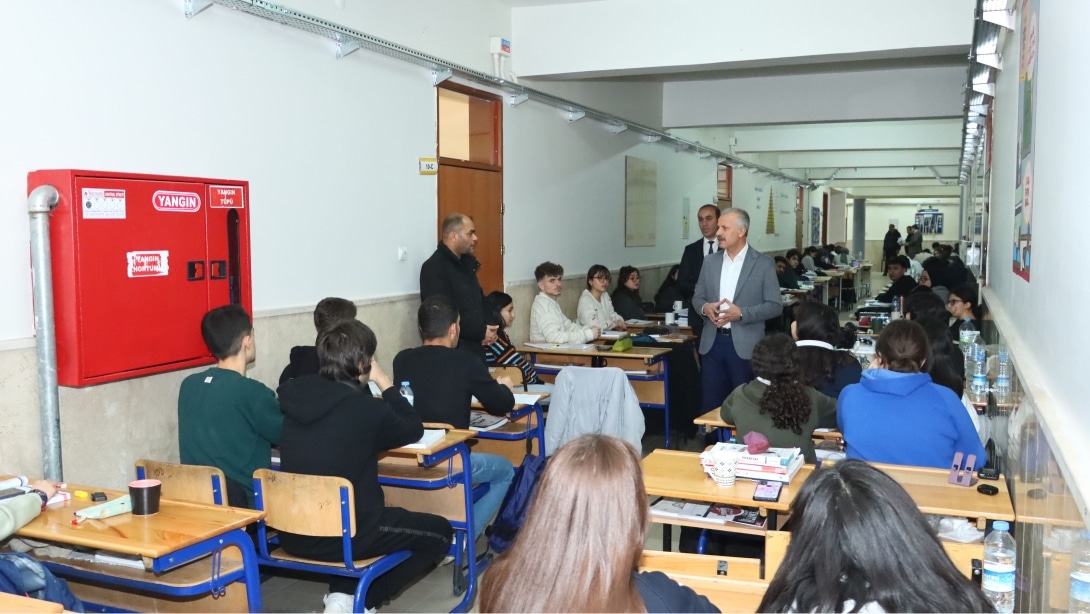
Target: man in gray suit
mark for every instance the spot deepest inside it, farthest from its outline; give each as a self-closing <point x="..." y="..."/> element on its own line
<point x="736" y="292"/>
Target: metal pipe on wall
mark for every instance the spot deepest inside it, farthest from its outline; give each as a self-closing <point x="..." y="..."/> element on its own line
<point x="40" y="205"/>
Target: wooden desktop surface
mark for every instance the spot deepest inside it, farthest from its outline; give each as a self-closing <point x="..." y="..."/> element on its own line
<point x="679" y="475"/>
<point x="177" y="525"/>
<point x="714" y="418"/>
<point x="933" y="493"/>
<point x="637" y="352"/>
<point x="670" y="473"/>
<point x="451" y="438"/>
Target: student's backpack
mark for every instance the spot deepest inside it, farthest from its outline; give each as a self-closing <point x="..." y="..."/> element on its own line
<point x="516" y="503"/>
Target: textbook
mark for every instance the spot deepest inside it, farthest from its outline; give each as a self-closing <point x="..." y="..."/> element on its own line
<point x="430" y="436"/>
<point x="691" y="510"/>
<point x="776" y="457"/>
<point x="480" y="421"/>
<point x="773" y="476"/>
<point x="613" y="334"/>
<point x="675" y="508"/>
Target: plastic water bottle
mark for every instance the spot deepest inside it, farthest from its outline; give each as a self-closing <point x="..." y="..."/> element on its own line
<point x="999" y="567"/>
<point x="980" y="367"/>
<point x="1080" y="575"/>
<point x="406" y="392"/>
<point x="966" y="333"/>
<point x="1003" y="374"/>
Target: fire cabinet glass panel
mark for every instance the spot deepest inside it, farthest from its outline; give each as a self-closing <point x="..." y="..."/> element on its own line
<point x="139" y="308"/>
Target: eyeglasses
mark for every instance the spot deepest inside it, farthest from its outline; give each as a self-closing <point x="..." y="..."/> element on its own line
<point x="955" y="300"/>
<point x="602" y="277"/>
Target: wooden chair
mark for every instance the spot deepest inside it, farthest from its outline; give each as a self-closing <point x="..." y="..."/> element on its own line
<point x="701" y="565"/>
<point x="512" y="372"/>
<point x="740" y="590"/>
<point x="18" y="603"/>
<point x="196" y="483"/>
<point x="318" y="506"/>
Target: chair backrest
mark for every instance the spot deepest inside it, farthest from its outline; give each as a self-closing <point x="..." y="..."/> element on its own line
<point x="195" y="483"/>
<point x="305" y="504"/>
<point x="593" y="400"/>
<point x="514" y="373"/>
<point x="701" y="565"/>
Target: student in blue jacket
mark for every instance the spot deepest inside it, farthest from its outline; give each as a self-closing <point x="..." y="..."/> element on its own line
<point x="896" y="414"/>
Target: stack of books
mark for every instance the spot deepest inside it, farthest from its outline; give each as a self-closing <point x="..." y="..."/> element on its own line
<point x="705" y="512"/>
<point x="777" y="464"/>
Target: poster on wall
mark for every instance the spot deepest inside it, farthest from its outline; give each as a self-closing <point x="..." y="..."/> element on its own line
<point x="640" y="202"/>
<point x="815" y="225"/>
<point x="1027" y="127"/>
<point x="929" y="221"/>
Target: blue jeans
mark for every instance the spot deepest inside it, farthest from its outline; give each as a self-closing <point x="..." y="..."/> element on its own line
<point x="498" y="473"/>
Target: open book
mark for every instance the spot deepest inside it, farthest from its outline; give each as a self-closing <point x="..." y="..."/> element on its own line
<point x="430" y="436"/>
<point x="480" y="421"/>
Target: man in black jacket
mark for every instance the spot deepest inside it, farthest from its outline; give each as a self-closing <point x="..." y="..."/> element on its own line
<point x="891" y="244"/>
<point x="443" y="382"/>
<point x="901" y="282"/>
<point x="707" y="217"/>
<point x="452" y="272"/>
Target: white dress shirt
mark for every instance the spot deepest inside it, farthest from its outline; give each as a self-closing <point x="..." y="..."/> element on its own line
<point x="728" y="277"/>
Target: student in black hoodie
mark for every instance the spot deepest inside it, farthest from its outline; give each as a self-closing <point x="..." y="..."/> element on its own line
<point x="304" y="358"/>
<point x="333" y="426"/>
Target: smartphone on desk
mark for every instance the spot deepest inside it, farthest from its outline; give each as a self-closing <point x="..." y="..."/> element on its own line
<point x="7" y="493"/>
<point x="767" y="490"/>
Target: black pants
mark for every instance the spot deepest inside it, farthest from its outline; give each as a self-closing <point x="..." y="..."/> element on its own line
<point x="428" y="537"/>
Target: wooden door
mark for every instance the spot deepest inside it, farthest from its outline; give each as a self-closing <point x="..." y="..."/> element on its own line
<point x="477" y="193"/>
<point x="470" y="137"/>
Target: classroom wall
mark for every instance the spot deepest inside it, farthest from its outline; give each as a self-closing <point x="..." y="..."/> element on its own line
<point x="1039" y="318"/>
<point x="330" y="149"/>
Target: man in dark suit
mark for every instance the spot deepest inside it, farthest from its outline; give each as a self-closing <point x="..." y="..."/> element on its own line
<point x="736" y="292"/>
<point x="452" y="272"/>
<point x="707" y="217"/>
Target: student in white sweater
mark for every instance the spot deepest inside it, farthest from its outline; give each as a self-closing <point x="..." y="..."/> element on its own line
<point x="547" y="321"/>
<point x="595" y="305"/>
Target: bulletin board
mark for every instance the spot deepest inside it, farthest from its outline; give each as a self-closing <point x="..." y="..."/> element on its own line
<point x="929" y="222"/>
<point x="640" y="202"/>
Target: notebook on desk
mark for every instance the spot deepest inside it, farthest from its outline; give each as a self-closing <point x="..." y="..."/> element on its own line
<point x="482" y="422"/>
<point x="430" y="437"/>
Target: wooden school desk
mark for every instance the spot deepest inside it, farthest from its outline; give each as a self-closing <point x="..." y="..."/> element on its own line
<point x="713" y="419"/>
<point x="523" y="434"/>
<point x="645" y="367"/>
<point x="679" y="475"/>
<point x="173" y="543"/>
<point x="436" y="480"/>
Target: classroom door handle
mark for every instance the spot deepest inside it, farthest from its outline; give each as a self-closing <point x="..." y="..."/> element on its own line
<point x="194" y="270"/>
<point x="219" y="269"/>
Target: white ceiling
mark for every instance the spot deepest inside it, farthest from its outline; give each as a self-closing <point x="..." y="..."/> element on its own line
<point x="860" y="96"/>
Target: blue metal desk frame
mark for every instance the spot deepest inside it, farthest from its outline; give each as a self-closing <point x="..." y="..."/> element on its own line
<point x="462" y="530"/>
<point x="216" y="585"/>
